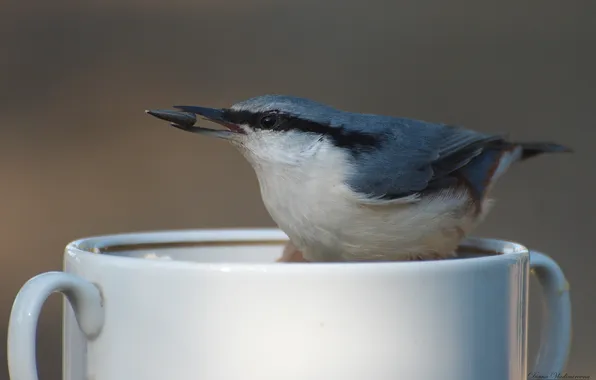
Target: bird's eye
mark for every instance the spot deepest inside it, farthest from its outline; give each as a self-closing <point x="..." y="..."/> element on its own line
<point x="269" y="121"/>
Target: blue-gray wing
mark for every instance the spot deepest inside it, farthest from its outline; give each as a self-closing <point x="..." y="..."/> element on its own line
<point x="416" y="157"/>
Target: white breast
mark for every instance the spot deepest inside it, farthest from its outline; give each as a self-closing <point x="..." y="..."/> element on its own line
<point x="310" y="202"/>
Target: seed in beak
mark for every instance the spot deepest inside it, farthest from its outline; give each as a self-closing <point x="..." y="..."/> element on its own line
<point x="184" y="119"/>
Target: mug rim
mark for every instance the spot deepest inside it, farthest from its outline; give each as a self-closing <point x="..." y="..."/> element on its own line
<point x="98" y="247"/>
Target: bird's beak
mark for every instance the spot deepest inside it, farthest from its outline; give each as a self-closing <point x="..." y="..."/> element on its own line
<point x="185" y="120"/>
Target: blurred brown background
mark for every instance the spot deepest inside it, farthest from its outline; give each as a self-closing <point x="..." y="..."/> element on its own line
<point x="79" y="157"/>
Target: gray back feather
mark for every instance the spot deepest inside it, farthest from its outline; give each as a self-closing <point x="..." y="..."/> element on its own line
<point x="417" y="157"/>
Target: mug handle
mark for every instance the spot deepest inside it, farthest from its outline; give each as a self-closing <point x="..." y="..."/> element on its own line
<point x="555" y="337"/>
<point x="85" y="299"/>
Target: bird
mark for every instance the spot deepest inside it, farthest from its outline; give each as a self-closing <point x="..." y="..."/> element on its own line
<point x="361" y="187"/>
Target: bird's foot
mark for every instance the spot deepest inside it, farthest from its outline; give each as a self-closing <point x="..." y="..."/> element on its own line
<point x="291" y="254"/>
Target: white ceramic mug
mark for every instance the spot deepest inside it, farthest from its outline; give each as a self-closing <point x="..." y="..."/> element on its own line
<point x="213" y="305"/>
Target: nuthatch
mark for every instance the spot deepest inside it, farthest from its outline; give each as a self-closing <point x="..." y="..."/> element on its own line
<point x="361" y="187"/>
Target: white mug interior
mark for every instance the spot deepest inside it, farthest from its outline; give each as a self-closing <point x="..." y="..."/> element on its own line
<point x="251" y="246"/>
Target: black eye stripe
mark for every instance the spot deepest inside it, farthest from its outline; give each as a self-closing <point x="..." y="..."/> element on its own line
<point x="356" y="141"/>
<point x="242" y="117"/>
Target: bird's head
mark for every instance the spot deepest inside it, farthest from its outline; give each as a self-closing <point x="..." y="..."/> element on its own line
<point x="276" y="127"/>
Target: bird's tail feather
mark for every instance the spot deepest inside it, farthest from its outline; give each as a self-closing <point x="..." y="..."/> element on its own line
<point x="532" y="149"/>
<point x="486" y="169"/>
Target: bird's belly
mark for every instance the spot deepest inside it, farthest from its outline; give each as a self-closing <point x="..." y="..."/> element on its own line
<point x="329" y="227"/>
<point x="311" y="224"/>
